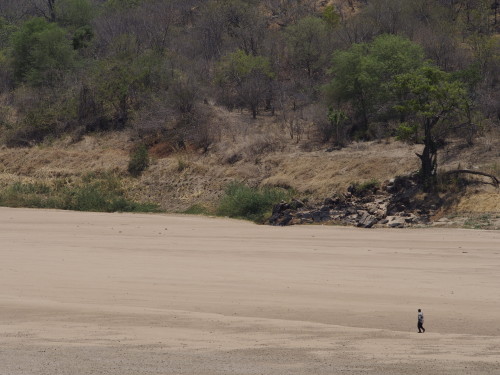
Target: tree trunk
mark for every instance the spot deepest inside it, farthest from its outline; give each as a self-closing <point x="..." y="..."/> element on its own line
<point x="52" y="11"/>
<point x="254" y="111"/>
<point x="429" y="157"/>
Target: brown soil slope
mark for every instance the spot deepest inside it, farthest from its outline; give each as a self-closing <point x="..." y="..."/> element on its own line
<point x="258" y="153"/>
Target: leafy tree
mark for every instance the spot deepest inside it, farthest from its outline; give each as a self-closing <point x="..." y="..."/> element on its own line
<point x="121" y="4"/>
<point x="331" y="16"/>
<point x="82" y="37"/>
<point x="306" y="41"/>
<point x="77" y="16"/>
<point x="245" y="79"/>
<point x="230" y="24"/>
<point x="41" y="52"/>
<point x="432" y="101"/>
<point x="362" y="75"/>
<point x="74" y="13"/>
<point x="6" y="30"/>
<point x="125" y="82"/>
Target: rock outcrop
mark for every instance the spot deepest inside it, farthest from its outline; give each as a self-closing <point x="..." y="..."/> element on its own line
<point x="393" y="205"/>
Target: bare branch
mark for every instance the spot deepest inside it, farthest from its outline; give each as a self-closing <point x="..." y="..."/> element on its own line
<point x="495" y="180"/>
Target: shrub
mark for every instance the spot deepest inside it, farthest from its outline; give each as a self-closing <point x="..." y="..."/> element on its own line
<point x="362" y="189"/>
<point x="139" y="160"/>
<point x="245" y="80"/>
<point x="241" y="201"/>
<point x="74" y="13"/>
<point x="43" y="113"/>
<point x="125" y="82"/>
<point x="41" y="53"/>
<point x="102" y="193"/>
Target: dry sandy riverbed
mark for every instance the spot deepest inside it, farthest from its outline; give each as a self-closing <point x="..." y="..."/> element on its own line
<point x="128" y="294"/>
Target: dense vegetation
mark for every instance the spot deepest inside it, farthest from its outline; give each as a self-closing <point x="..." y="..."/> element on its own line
<point x="417" y="69"/>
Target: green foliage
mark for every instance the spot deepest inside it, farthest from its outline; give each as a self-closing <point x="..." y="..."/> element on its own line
<point x="238" y="66"/>
<point x="139" y="160"/>
<point x="331" y="16"/>
<point x="243" y="202"/>
<point x="82" y="37"/>
<point x="432" y="100"/>
<point x="362" y="75"/>
<point x="307" y="41"/>
<point x="429" y="93"/>
<point x="336" y="120"/>
<point x="121" y="4"/>
<point x="245" y="79"/>
<point x="41" y="52"/>
<point x="407" y="132"/>
<point x="102" y="48"/>
<point x="125" y="81"/>
<point x="97" y="192"/>
<point x="47" y="115"/>
<point x="77" y="16"/>
<point x="74" y="13"/>
<point x="470" y="76"/>
<point x="6" y="30"/>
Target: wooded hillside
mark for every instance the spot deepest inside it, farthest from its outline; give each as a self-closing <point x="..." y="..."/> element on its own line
<point x="418" y="70"/>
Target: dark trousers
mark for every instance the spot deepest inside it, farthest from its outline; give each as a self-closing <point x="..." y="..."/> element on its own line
<point x="421" y="327"/>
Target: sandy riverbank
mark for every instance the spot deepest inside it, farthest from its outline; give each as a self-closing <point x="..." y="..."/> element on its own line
<point x="92" y="293"/>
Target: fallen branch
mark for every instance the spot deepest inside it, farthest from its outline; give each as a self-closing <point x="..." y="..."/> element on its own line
<point x="495" y="180"/>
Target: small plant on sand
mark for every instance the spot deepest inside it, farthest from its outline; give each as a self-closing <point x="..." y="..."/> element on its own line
<point x="482" y="221"/>
<point x="197" y="209"/>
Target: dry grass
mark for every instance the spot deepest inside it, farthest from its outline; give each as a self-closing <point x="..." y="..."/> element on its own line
<point x="92" y="154"/>
<point x="323" y="173"/>
<point x="477" y="203"/>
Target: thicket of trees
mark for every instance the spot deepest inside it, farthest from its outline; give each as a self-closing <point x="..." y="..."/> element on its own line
<point x="418" y="69"/>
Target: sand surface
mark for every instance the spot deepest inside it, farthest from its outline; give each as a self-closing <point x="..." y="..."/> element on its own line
<point x="129" y="294"/>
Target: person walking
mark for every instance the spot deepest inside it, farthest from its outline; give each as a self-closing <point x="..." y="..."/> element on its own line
<point x="420" y="324"/>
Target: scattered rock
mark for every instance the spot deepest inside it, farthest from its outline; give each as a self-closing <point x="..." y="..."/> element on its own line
<point x="367" y="220"/>
<point x="392" y="206"/>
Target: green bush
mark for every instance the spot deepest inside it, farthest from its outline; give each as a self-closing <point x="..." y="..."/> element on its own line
<point x="407" y="132"/>
<point x="44" y="114"/>
<point x="41" y="53"/>
<point x="74" y="13"/>
<point x="139" y="160"/>
<point x="241" y="201"/>
<point x="127" y="81"/>
<point x="35" y="195"/>
<point x="102" y="193"/>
